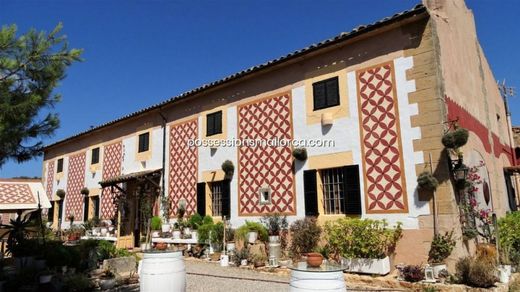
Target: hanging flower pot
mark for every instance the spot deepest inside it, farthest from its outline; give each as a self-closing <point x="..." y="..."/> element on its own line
<point x="427" y="181"/>
<point x="456" y="138"/>
<point x="85" y="191"/>
<point x="228" y="168"/>
<point x="300" y="154"/>
<point x="60" y="194"/>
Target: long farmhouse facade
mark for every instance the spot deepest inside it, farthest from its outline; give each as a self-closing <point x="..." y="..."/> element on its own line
<point x="383" y="93"/>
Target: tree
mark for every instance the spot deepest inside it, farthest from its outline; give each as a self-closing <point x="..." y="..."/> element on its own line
<point x="31" y="67"/>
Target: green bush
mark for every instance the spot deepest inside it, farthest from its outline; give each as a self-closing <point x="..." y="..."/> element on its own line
<point x="367" y="238"/>
<point x="77" y="283"/>
<point x="441" y="247"/>
<point x="475" y="272"/>
<point x="106" y="250"/>
<point x="275" y="223"/>
<point x="207" y="220"/>
<point x="509" y="236"/>
<point x="211" y="232"/>
<point x="156" y="223"/>
<point x="250" y="226"/>
<point x="195" y="221"/>
<point x="305" y="235"/>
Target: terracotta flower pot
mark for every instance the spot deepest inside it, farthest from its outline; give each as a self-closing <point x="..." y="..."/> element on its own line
<point x="314" y="259"/>
<point x="161" y="246"/>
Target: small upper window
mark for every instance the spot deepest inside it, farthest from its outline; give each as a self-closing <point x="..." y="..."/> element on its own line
<point x="60" y="165"/>
<point x="265" y="195"/>
<point x="325" y="93"/>
<point x="214" y="123"/>
<point x="95" y="156"/>
<point x="144" y="142"/>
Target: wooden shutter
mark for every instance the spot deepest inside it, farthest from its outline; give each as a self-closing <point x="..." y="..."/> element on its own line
<point x="218" y="123"/>
<point x="85" y="208"/>
<point x="332" y="92"/>
<point x="96" y="206"/>
<point x="144" y="141"/>
<point x="319" y="95"/>
<point x="226" y="198"/>
<point x="311" y="192"/>
<point x="510" y="192"/>
<point x="352" y="190"/>
<point x="210" y="125"/>
<point x="201" y="198"/>
<point x="60" y="165"/>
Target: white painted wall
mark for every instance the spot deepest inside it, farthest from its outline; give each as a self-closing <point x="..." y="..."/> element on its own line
<point x="130" y="164"/>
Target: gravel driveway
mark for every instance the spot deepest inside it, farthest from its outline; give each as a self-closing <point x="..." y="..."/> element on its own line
<point x="210" y="277"/>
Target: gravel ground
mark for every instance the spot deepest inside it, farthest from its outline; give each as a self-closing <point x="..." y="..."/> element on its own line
<point x="210" y="277"/>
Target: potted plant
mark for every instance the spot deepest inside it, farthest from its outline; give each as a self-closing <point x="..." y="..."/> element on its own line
<point x="166" y="205"/>
<point x="251" y="231"/>
<point x="156" y="225"/>
<point x="230" y="239"/>
<point x="161" y="245"/>
<point x="107" y="280"/>
<point x="300" y="154"/>
<point x="455" y="139"/>
<point x="305" y="236"/>
<point x="259" y="260"/>
<point x="364" y="245"/>
<point x="426" y="181"/>
<point x="194" y="222"/>
<point x="228" y="168"/>
<point x="60" y="194"/>
<point x="314" y="259"/>
<point x="275" y="224"/>
<point x="441" y="248"/>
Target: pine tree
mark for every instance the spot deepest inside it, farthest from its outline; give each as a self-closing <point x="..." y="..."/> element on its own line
<point x="31" y="66"/>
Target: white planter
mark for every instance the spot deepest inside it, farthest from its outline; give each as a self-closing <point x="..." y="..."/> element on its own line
<point x="230" y="246"/>
<point x="224" y="260"/>
<point x="105" y="284"/>
<point x="195" y="235"/>
<point x="187" y="231"/>
<point x="145" y="246"/>
<point x="111" y="228"/>
<point x="103" y="231"/>
<point x="274" y="238"/>
<point x="367" y="266"/>
<point x="45" y="279"/>
<point x="176" y="234"/>
<point x="506" y="268"/>
<point x="503" y="276"/>
<point x="162" y="271"/>
<point x="165" y="228"/>
<point x="243" y="262"/>
<point x="437" y="268"/>
<point x="252" y="236"/>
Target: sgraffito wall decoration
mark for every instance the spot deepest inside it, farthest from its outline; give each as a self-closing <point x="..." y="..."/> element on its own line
<point x="264" y="166"/>
<point x="16" y="194"/>
<point x="182" y="178"/>
<point x="112" y="159"/>
<point x="50" y="179"/>
<point x="385" y="186"/>
<point x="75" y="182"/>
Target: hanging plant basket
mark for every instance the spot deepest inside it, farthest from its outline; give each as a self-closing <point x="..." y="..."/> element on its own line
<point x="60" y="193"/>
<point x="228" y="168"/>
<point x="427" y="181"/>
<point x="455" y="139"/>
<point x="300" y="154"/>
<point x="84" y="191"/>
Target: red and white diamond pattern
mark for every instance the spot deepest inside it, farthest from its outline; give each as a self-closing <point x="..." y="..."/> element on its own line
<point x="112" y="159"/>
<point x="264" y="166"/>
<point x="75" y="182"/>
<point x="50" y="179"/>
<point x="16" y="194"/>
<point x="183" y="166"/>
<point x="381" y="142"/>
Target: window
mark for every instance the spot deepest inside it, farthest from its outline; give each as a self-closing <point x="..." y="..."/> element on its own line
<point x="265" y="195"/>
<point x="216" y="198"/>
<point x="214" y="123"/>
<point x="60" y="165"/>
<point x="144" y="142"/>
<point x="95" y="206"/>
<point x="95" y="156"/>
<point x="325" y="93"/>
<point x="333" y="192"/>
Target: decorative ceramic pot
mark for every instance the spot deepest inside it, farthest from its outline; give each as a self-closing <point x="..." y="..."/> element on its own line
<point x="252" y="236"/>
<point x="314" y="259"/>
<point x="165" y="228"/>
<point x="103" y="231"/>
<point x="176" y="234"/>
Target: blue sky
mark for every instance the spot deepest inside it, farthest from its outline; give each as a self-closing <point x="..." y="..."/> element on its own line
<point x="138" y="53"/>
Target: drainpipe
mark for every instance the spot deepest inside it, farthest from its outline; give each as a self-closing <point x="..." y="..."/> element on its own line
<point x="163" y="152"/>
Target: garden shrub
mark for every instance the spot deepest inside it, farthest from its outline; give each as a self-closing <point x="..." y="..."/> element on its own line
<point x="211" y="232"/>
<point x="305" y="236"/>
<point x="195" y="221"/>
<point x="207" y="220"/>
<point x="106" y="250"/>
<point x="441" y="247"/>
<point x="249" y="226"/>
<point x="509" y="236"/>
<point x="77" y="283"/>
<point x="367" y="238"/>
<point x="412" y="273"/>
<point x="475" y="272"/>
